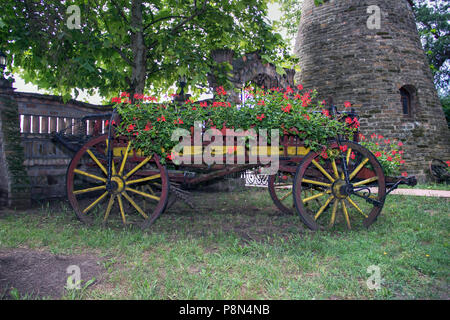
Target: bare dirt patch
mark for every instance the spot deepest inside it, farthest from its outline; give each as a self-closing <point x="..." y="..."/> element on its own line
<point x="38" y="274"/>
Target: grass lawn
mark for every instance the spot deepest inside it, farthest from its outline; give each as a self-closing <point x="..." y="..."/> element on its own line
<point x="237" y="246"/>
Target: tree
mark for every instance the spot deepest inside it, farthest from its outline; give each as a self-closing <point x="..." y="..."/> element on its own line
<point x="130" y="45"/>
<point x="434" y="28"/>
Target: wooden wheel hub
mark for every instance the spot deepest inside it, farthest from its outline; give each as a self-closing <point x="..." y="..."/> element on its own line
<point x="117" y="184"/>
<point x="340" y="189"/>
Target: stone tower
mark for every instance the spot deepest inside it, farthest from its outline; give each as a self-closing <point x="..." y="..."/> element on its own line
<point x="382" y="71"/>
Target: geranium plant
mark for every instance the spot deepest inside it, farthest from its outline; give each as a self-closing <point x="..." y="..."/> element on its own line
<point x="293" y="111"/>
<point x="389" y="152"/>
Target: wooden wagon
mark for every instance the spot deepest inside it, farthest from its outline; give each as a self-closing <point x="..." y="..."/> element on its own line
<point x="107" y="175"/>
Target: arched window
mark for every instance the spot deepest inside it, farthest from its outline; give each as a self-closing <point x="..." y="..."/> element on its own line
<point x="408" y="100"/>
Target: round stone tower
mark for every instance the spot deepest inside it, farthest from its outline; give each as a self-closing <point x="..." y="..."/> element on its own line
<point x="369" y="52"/>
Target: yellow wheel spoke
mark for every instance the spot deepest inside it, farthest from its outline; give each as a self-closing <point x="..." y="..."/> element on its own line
<point x="124" y="160"/>
<point x="96" y="161"/>
<point x="89" y="189"/>
<point x="95" y="202"/>
<point x="322" y="209"/>
<point x="108" y="208"/>
<point x="143" y="194"/>
<point x="315" y="196"/>
<point x="360" y="183"/>
<point x="333" y="213"/>
<point x="349" y="151"/>
<point x="150" y="189"/>
<point x="335" y="170"/>
<point x="356" y="206"/>
<point x="137" y="167"/>
<point x="316" y="183"/>
<point x="156" y="176"/>
<point x="347" y="218"/>
<point x="322" y="170"/>
<point x="286" y="195"/>
<point x="358" y="168"/>
<point x="122" y="212"/>
<point x="134" y="204"/>
<point x="90" y="175"/>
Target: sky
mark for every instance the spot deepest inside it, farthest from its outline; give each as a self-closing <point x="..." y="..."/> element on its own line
<point x="20" y="85"/>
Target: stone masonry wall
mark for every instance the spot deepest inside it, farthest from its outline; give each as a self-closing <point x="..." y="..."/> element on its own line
<point x="39" y="164"/>
<point x="342" y="58"/>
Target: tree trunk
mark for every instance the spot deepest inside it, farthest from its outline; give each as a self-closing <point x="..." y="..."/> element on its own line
<point x="139" y="74"/>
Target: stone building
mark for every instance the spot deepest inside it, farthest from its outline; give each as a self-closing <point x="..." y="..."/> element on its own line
<point x="382" y="71"/>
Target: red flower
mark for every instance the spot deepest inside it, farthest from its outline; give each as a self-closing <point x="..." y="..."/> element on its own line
<point x="353" y="156"/>
<point x="220" y="91"/>
<point x="261" y="103"/>
<point x="343" y="148"/>
<point x="300" y="87"/>
<point x="116" y="100"/>
<point x="325" y="113"/>
<point x="194" y="108"/>
<point x="306" y="116"/>
<point x="148" y="127"/>
<point x="203" y="104"/>
<point x="404" y="174"/>
<point x="289" y="89"/>
<point x="402" y="161"/>
<point x="387" y="141"/>
<point x="394" y="152"/>
<point x="378" y="154"/>
<point x="448" y="162"/>
<point x="348" y="120"/>
<point x="347" y="104"/>
<point x="324" y="154"/>
<point x="161" y="119"/>
<point x="131" y="127"/>
<point x="124" y="94"/>
<point x="389" y="158"/>
<point x="287" y="109"/>
<point x="297" y="96"/>
<point x="262" y="116"/>
<point x="400" y="144"/>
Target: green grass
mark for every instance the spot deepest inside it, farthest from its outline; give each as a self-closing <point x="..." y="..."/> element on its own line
<point x="430" y="186"/>
<point x="237" y="246"/>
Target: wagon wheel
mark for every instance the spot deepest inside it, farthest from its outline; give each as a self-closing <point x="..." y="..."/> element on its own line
<point x="438" y="169"/>
<point x="332" y="201"/>
<point x="138" y="190"/>
<point x="280" y="190"/>
<point x="280" y="187"/>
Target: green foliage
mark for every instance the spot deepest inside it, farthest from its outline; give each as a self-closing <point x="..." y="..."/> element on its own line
<point x="445" y="101"/>
<point x="433" y="24"/>
<point x="118" y="40"/>
<point x="151" y="125"/>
